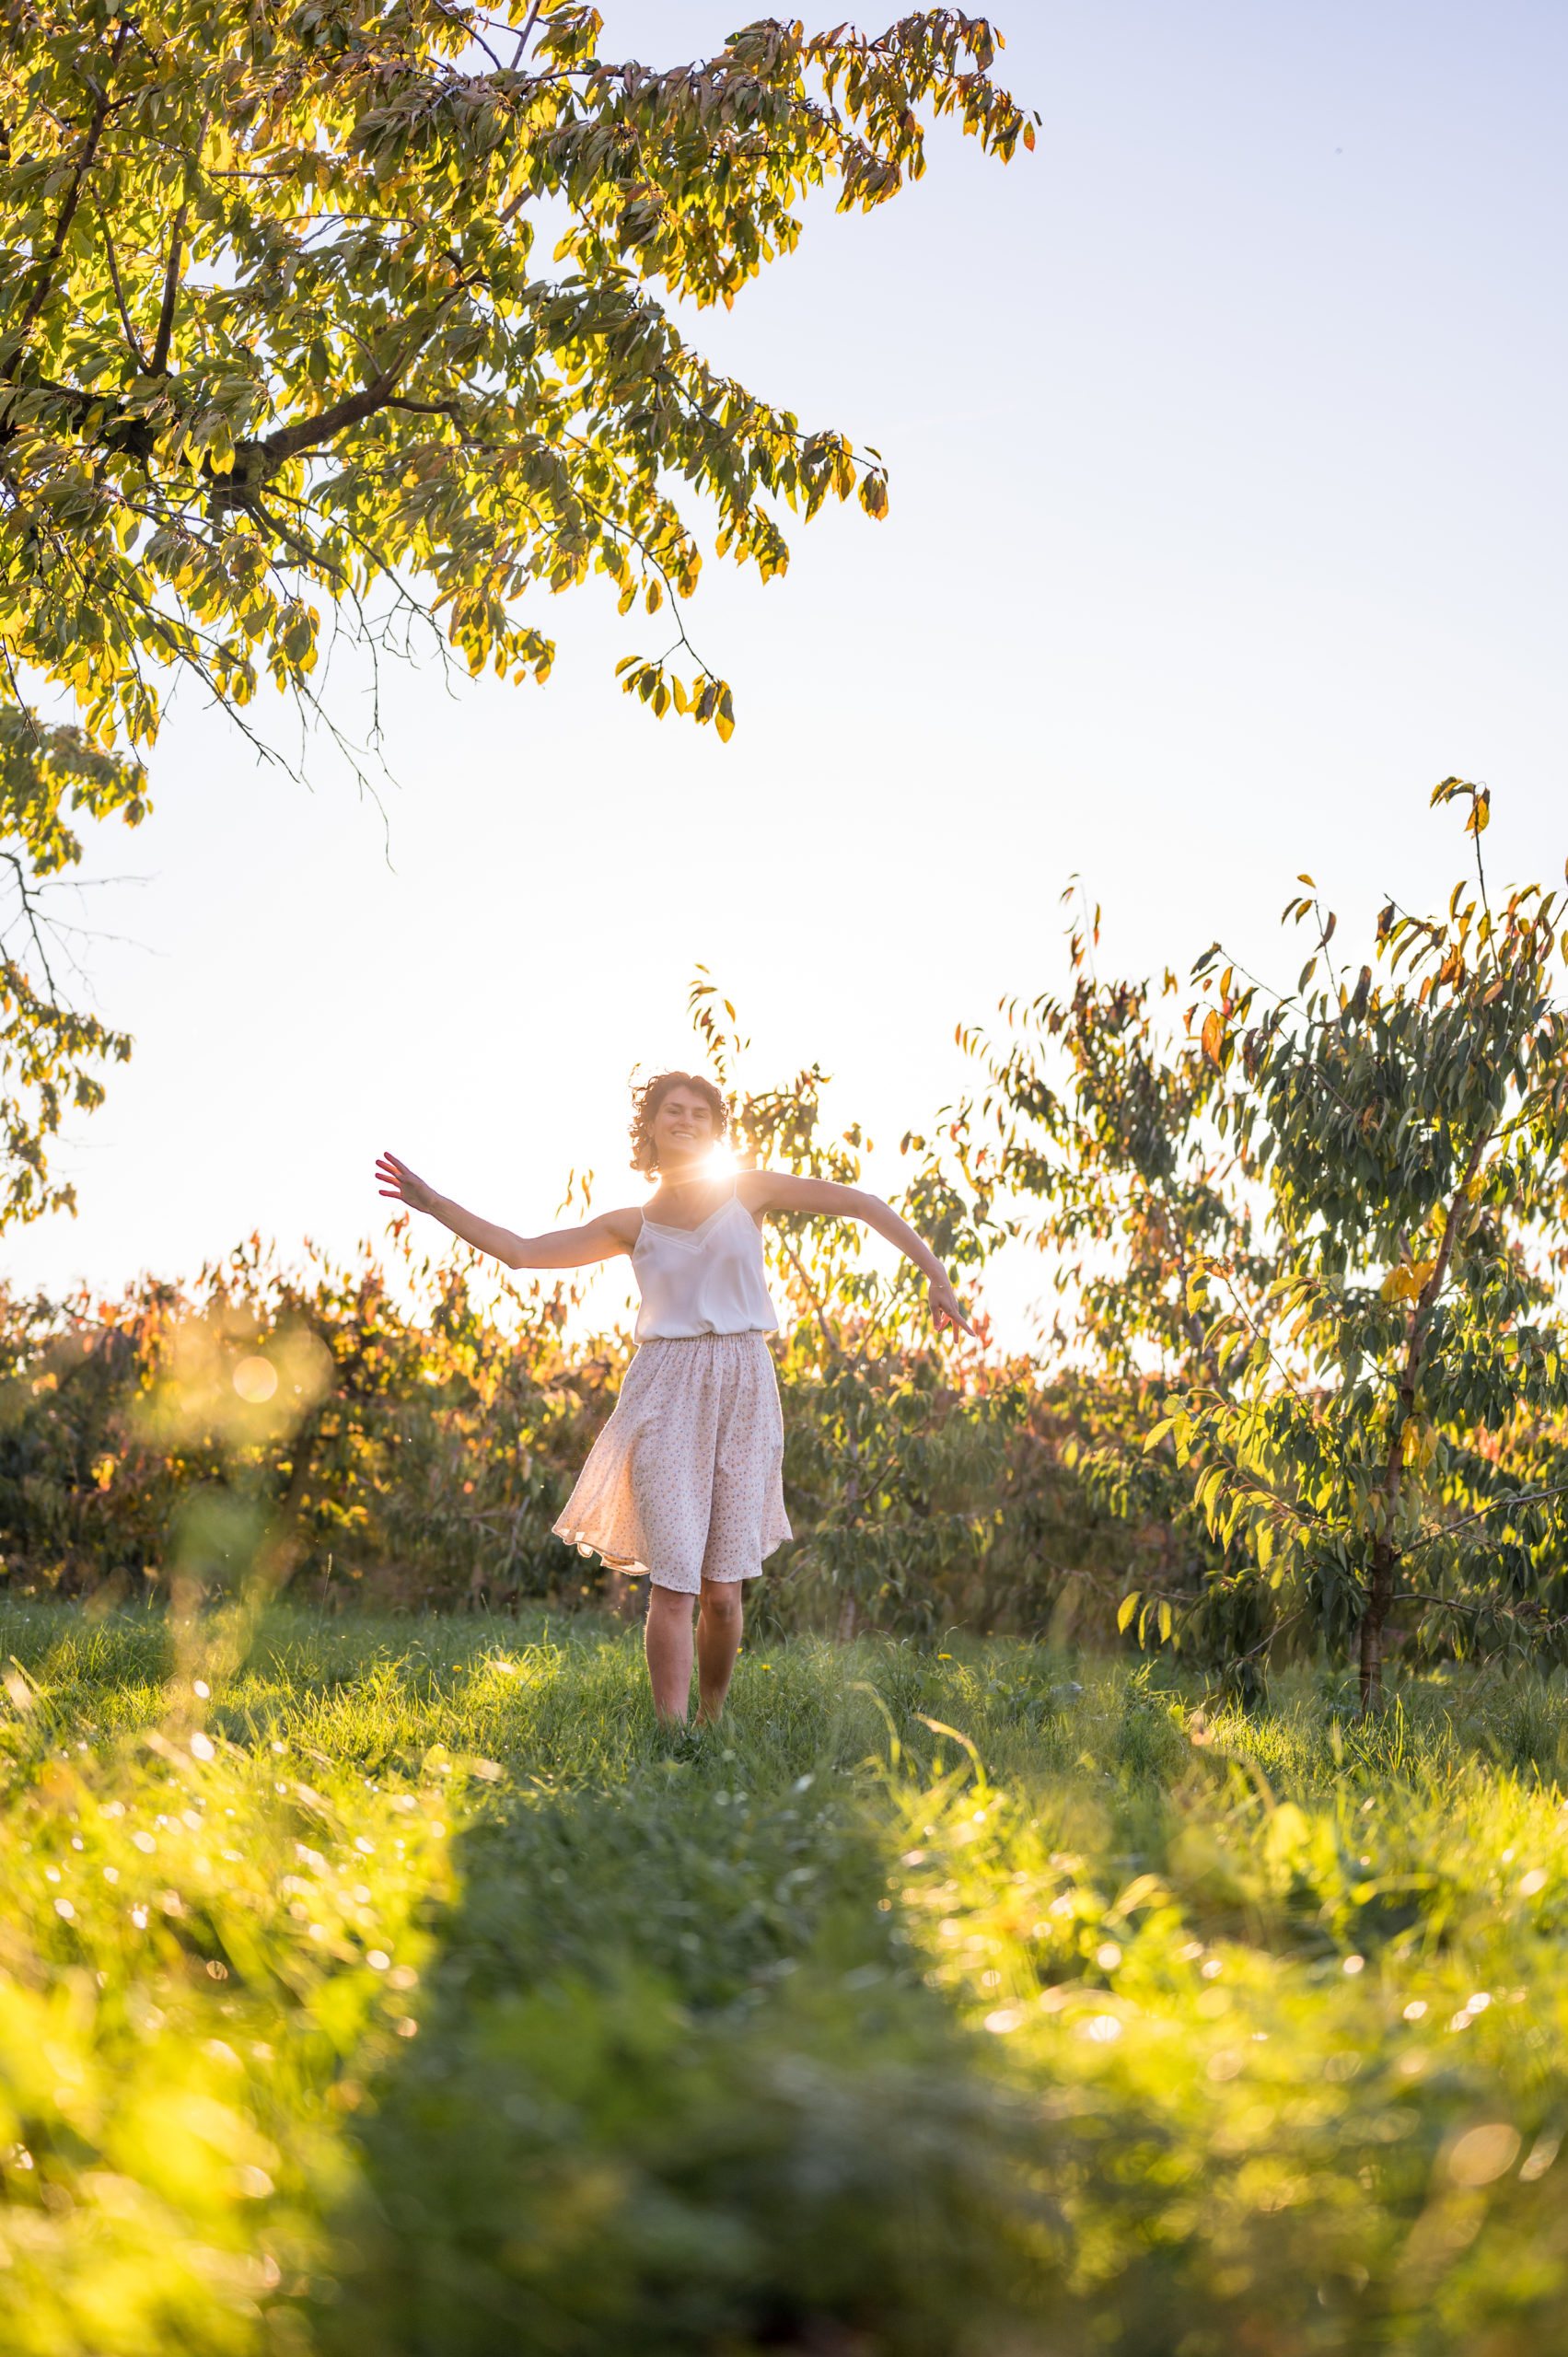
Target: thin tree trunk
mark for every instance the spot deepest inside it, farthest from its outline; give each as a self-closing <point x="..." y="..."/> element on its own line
<point x="1379" y="1603"/>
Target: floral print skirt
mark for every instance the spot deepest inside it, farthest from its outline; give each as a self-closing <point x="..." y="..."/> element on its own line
<point x="685" y="1481"/>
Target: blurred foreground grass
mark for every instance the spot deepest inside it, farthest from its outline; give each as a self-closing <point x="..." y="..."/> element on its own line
<point x="409" y="1991"/>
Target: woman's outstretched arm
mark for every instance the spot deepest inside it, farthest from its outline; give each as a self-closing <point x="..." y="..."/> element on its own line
<point x="777" y="1191"/>
<point x="565" y="1248"/>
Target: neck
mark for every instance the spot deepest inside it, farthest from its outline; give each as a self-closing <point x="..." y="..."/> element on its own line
<point x="684" y="1174"/>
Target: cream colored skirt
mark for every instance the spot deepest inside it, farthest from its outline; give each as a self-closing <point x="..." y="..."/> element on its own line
<point x="685" y="1482"/>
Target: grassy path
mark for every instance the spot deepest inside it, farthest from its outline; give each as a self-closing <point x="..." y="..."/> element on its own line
<point x="411" y="1991"/>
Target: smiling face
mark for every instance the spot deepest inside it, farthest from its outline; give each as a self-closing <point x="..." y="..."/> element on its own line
<point x="683" y="1130"/>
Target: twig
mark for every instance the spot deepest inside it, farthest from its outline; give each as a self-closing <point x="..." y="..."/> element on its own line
<point x="1279" y="1627"/>
<point x="1497" y="1505"/>
<point x="527" y="34"/>
<point x="131" y="337"/>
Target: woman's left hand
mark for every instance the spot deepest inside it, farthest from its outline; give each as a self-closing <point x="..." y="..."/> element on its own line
<point x="945" y="1308"/>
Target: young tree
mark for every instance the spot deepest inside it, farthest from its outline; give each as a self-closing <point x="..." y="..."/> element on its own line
<point x="275" y="339"/>
<point x="1398" y="1428"/>
<point x="1373" y="1408"/>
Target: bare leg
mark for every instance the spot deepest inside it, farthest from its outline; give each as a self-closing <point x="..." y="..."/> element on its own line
<point x="666" y="1641"/>
<point x="718" y="1640"/>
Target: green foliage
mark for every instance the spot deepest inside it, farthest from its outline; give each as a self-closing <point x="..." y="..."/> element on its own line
<point x="1294" y="2037"/>
<point x="494" y="2018"/>
<point x="48" y="1049"/>
<point x="1361" y="1405"/>
<point x="191" y="1950"/>
<point x="276" y="338"/>
<point x="267" y="1424"/>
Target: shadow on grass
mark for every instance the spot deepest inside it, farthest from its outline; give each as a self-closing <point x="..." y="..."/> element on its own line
<point x="676" y="2088"/>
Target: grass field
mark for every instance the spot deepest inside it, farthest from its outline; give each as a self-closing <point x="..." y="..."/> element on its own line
<point x="409" y="1990"/>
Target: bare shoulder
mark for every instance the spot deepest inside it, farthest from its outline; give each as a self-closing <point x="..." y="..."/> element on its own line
<point x="755" y="1188"/>
<point x="781" y="1190"/>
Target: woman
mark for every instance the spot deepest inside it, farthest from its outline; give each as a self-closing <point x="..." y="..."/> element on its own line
<point x="684" y="1482"/>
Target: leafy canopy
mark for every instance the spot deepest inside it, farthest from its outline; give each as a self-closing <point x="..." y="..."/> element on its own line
<point x="359" y="307"/>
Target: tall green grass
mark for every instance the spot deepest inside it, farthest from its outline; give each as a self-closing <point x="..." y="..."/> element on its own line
<point x="412" y="1991"/>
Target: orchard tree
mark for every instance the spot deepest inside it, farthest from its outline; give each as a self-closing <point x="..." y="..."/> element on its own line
<point x="1398" y="1429"/>
<point x="1374" y="1409"/>
<point x="359" y="309"/>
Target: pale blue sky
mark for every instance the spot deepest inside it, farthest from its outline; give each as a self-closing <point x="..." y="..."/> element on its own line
<point x="1227" y="516"/>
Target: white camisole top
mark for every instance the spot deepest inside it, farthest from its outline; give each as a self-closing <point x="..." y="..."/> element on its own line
<point x="706" y="1279"/>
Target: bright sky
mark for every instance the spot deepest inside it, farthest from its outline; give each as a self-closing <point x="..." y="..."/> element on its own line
<point x="1227" y="516"/>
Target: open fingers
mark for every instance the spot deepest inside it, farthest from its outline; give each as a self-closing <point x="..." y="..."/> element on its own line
<point x="394" y="1178"/>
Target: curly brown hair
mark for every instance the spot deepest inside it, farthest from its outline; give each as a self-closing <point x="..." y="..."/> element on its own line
<point x="645" y="1102"/>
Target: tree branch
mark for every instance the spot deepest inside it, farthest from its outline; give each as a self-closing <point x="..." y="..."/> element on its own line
<point x="1496" y="1505"/>
<point x="289" y="440"/>
<point x="131" y="337"/>
<point x="73" y="194"/>
<point x="159" y="363"/>
<point x="793" y="1257"/>
<point x="526" y="35"/>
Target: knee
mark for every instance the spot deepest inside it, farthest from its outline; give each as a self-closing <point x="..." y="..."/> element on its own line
<point x="669" y="1604"/>
<point x="721" y="1604"/>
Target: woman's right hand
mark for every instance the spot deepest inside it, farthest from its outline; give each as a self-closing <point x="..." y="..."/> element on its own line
<point x="395" y="1179"/>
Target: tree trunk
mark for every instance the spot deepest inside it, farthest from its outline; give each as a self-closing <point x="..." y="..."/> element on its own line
<point x="846" y="1620"/>
<point x="1379" y="1603"/>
